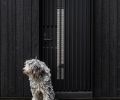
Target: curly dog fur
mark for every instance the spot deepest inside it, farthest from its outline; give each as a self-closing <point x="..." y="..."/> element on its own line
<point x="40" y="79"/>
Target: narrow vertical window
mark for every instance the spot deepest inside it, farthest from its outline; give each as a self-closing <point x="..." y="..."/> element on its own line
<point x="58" y="43"/>
<point x="60" y="39"/>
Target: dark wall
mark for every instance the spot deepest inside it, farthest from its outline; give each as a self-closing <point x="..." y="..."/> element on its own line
<point x="107" y="48"/>
<point x="19" y="40"/>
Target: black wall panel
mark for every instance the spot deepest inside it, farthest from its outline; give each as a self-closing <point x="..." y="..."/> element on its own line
<point x="106" y="48"/>
<point x="19" y="39"/>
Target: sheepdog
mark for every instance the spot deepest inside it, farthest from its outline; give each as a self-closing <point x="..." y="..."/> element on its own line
<point x="40" y="79"/>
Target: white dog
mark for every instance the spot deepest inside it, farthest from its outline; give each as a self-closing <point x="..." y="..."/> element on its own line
<point x="40" y="79"/>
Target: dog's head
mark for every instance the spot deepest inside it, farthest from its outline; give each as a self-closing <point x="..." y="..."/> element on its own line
<point x="35" y="68"/>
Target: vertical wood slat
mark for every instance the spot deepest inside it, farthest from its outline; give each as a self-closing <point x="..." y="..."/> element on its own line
<point x="92" y="56"/>
<point x="118" y="47"/>
<point x="50" y="12"/>
<point x="105" y="48"/>
<point x="76" y="31"/>
<point x="11" y="48"/>
<point x="47" y="13"/>
<point x="67" y="46"/>
<point x="84" y="45"/>
<point x="19" y="48"/>
<point x="43" y="13"/>
<point x="97" y="46"/>
<point x="27" y="39"/>
<point x="79" y="43"/>
<point x="4" y="47"/>
<point x="73" y="45"/>
<point x="35" y="29"/>
<point x="70" y="42"/>
<point x="0" y="50"/>
<point x="41" y="21"/>
<point x="113" y="46"/>
<point x="88" y="44"/>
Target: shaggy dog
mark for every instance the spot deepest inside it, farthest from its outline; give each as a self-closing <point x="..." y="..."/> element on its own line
<point x="40" y="79"/>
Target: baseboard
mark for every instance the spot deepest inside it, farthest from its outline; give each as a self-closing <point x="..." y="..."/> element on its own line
<point x="74" y="95"/>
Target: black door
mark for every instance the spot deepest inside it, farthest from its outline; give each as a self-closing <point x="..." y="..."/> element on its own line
<point x="67" y="49"/>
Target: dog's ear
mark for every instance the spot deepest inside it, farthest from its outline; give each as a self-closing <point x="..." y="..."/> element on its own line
<point x="47" y="70"/>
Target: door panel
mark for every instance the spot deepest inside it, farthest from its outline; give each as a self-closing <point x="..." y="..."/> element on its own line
<point x="67" y="42"/>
